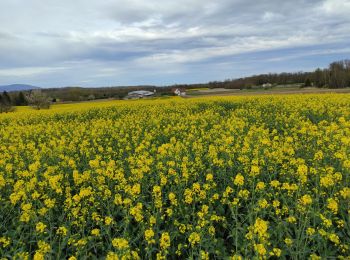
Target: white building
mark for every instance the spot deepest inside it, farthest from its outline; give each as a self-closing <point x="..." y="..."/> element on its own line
<point x="180" y="92"/>
<point x="267" y="85"/>
<point x="139" y="94"/>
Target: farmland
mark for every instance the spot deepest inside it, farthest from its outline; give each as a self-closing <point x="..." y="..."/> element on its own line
<point x="212" y="177"/>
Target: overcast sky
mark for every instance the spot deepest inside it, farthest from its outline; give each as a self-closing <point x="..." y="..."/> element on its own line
<point x="53" y="43"/>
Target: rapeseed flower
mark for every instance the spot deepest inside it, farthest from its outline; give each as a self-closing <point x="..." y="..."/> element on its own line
<point x="164" y="241"/>
<point x="40" y="227"/>
<point x="120" y="243"/>
<point x="194" y="238"/>
<point x="103" y="180"/>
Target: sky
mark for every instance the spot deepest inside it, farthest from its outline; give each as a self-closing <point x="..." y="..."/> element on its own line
<point x="91" y="43"/>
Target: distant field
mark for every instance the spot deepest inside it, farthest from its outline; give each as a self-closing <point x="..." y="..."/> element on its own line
<point x="289" y="89"/>
<point x="240" y="177"/>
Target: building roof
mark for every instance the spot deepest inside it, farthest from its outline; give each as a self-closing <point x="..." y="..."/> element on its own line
<point x="141" y="93"/>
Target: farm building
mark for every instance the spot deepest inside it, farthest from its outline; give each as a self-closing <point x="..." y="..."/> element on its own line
<point x="267" y="85"/>
<point x="139" y="94"/>
<point x="179" y="91"/>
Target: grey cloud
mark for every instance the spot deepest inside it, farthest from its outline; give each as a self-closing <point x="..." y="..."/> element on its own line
<point x="171" y="36"/>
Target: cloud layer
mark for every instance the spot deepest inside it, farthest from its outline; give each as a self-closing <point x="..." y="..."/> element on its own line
<point x="126" y="42"/>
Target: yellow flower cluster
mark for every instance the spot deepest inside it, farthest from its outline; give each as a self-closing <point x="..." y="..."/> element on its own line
<point x="120" y="243"/>
<point x="249" y="177"/>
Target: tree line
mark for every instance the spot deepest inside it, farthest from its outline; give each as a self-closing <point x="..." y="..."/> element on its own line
<point x="337" y="75"/>
<point x="85" y="94"/>
<point x="34" y="98"/>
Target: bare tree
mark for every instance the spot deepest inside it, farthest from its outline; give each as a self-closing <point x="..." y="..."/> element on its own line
<point x="339" y="74"/>
<point x="38" y="100"/>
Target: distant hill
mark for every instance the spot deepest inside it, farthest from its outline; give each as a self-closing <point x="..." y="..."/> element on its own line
<point x="17" y="87"/>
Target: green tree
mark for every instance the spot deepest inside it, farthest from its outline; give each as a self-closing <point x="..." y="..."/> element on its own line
<point x="307" y="83"/>
<point x="6" y="98"/>
<point x="319" y="78"/>
<point x="5" y="103"/>
<point x="20" y="100"/>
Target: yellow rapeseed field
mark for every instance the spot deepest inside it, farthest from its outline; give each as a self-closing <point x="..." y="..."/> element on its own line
<point x="207" y="178"/>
